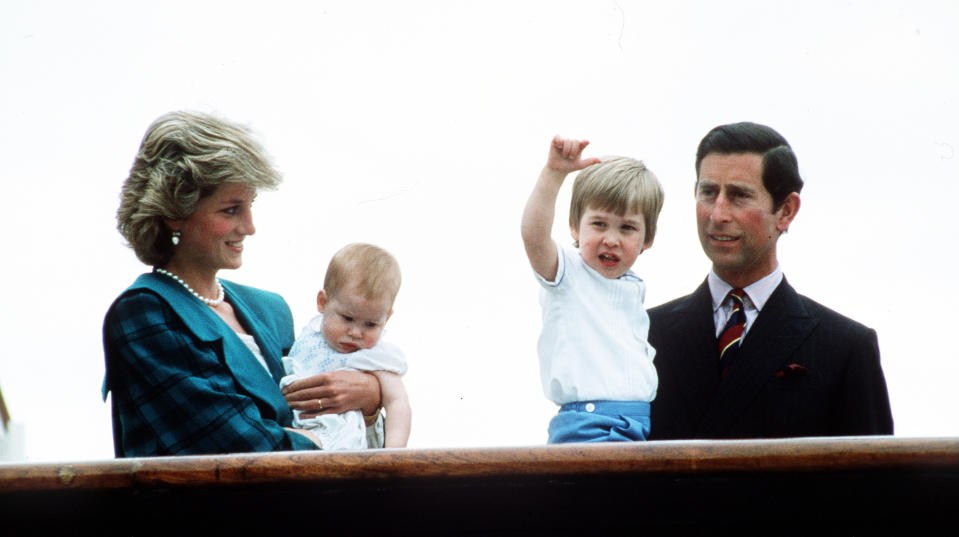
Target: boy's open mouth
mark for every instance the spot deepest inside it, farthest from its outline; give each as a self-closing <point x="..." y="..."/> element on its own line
<point x="609" y="260"/>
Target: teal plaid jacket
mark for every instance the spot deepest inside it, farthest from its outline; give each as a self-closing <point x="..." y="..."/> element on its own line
<point x="184" y="383"/>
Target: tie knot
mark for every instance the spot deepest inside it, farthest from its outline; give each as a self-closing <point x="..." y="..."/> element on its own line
<point x="737" y="295"/>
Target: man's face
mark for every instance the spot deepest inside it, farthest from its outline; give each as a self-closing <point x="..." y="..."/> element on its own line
<point x="734" y="212"/>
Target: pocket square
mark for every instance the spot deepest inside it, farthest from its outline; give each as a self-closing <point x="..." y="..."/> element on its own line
<point x="792" y="370"/>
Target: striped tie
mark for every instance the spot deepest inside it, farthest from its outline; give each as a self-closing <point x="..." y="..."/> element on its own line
<point x="733" y="331"/>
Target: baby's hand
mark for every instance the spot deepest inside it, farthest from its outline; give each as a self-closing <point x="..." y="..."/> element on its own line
<point x="565" y="155"/>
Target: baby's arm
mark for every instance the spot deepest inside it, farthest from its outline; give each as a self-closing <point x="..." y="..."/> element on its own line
<point x="397" y="406"/>
<point x="564" y="158"/>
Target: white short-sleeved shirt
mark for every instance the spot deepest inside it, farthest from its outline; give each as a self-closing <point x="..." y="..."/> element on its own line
<point x="594" y="340"/>
<point x="312" y="355"/>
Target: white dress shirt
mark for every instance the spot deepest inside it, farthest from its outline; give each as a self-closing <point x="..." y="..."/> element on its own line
<point x="756" y="296"/>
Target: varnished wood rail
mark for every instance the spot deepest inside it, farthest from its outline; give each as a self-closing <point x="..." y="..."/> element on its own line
<point x="868" y="485"/>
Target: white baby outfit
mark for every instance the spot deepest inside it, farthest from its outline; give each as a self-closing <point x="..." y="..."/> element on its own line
<point x="312" y="355"/>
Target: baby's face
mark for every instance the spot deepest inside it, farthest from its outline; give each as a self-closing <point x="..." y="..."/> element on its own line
<point x="351" y="321"/>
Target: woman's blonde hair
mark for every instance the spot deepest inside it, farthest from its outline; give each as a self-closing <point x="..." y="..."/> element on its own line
<point x="184" y="157"/>
<point x="618" y="184"/>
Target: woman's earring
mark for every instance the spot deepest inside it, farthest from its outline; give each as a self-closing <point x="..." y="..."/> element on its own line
<point x="175" y="239"/>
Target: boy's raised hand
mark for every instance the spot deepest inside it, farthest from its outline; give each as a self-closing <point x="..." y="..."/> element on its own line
<point x="565" y="155"/>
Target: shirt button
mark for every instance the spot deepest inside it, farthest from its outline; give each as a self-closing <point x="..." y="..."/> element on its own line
<point x="590" y="407"/>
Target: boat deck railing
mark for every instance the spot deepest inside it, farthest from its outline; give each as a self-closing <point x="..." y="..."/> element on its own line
<point x="855" y="485"/>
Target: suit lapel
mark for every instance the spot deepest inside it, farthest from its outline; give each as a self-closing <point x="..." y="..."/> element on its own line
<point x="696" y="355"/>
<point x="780" y="328"/>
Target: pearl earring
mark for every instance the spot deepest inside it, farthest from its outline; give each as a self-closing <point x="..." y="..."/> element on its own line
<point x="175" y="239"/>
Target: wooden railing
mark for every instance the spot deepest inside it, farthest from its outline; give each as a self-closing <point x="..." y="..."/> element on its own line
<point x="861" y="486"/>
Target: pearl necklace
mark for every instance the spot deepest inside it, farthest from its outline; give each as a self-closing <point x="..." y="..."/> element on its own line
<point x="214" y="302"/>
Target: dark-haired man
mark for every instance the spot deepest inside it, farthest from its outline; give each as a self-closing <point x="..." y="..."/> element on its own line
<point x="769" y="362"/>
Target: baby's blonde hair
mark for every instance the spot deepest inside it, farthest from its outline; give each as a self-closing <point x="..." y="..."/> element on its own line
<point x="618" y="184"/>
<point x="369" y="269"/>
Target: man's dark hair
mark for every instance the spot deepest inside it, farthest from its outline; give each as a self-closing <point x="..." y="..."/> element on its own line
<point x="780" y="168"/>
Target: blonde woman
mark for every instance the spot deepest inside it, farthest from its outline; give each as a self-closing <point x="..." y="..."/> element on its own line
<point x="193" y="362"/>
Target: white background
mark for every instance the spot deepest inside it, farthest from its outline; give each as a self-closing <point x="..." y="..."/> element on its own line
<point x="421" y="127"/>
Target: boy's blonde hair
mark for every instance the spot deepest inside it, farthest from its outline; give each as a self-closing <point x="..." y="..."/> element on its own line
<point x="618" y="184"/>
<point x="370" y="269"/>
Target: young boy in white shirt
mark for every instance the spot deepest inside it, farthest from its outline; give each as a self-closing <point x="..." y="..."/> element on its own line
<point x="595" y="361"/>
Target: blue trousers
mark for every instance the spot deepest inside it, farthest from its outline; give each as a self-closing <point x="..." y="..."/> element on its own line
<point x="600" y="421"/>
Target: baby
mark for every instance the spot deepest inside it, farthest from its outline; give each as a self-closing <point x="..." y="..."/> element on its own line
<point x="356" y="301"/>
<point x="595" y="361"/>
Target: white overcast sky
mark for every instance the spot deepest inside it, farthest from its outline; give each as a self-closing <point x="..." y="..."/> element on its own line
<point x="421" y="127"/>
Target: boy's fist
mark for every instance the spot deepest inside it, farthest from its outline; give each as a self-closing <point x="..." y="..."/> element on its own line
<point x="565" y="155"/>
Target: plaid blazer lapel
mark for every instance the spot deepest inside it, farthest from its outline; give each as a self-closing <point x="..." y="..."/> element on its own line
<point x="207" y="326"/>
<point x="249" y="315"/>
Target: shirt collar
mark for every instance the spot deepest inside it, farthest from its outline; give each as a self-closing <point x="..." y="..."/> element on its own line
<point x="316" y="323"/>
<point x="757" y="292"/>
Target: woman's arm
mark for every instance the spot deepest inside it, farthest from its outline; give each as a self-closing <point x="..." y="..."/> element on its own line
<point x="308" y="434"/>
<point x="338" y="391"/>
<point x="174" y="395"/>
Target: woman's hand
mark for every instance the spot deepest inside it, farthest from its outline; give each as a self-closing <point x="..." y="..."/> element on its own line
<point x="334" y="393"/>
<point x="309" y="434"/>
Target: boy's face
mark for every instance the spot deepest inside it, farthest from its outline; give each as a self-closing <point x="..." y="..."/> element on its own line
<point x="610" y="243"/>
<point x="351" y="321"/>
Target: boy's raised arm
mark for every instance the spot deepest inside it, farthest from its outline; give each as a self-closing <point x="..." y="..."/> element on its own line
<point x="564" y="157"/>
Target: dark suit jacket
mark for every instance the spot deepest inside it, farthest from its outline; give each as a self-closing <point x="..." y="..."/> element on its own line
<point x="184" y="383"/>
<point x="802" y="370"/>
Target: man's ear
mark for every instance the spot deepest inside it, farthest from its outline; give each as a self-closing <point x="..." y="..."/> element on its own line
<point x="787" y="211"/>
<point x="321" y="300"/>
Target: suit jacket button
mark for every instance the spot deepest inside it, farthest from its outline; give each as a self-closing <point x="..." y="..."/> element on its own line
<point x="590" y="407"/>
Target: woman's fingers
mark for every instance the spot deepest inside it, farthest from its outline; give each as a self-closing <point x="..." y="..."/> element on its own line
<point x="313" y="396"/>
<point x="307" y="388"/>
<point x="335" y="392"/>
<point x="320" y="405"/>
